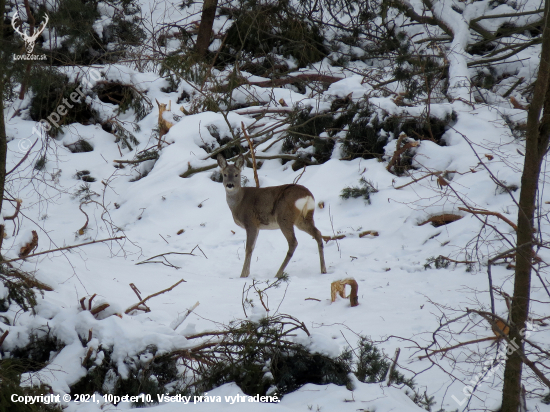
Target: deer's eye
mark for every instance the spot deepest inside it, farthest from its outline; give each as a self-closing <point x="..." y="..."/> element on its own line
<point x="236" y="175"/>
<point x="224" y="175"/>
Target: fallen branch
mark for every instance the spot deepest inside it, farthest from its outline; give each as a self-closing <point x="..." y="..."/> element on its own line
<point x="368" y="232"/>
<point x="174" y="325"/>
<point x="83" y="228"/>
<point x="135" y="162"/>
<point x="191" y="171"/>
<point x="329" y="238"/>
<point x="17" y="208"/>
<point x="338" y="287"/>
<point x="423" y="177"/>
<point x="166" y="262"/>
<point x="63" y="248"/>
<point x="511" y="89"/>
<point x="90" y="301"/>
<point x="99" y="308"/>
<point x="475" y="211"/>
<point x="30" y="246"/>
<point x="33" y="283"/>
<point x="300" y="78"/>
<point x="400" y="150"/>
<point x="443" y="219"/>
<point x="392" y="367"/>
<point x="88" y="356"/>
<point x="141" y="302"/>
<point x="456" y="261"/>
<point x="3" y="337"/>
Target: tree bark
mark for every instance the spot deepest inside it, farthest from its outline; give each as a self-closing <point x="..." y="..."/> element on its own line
<point x="3" y="140"/>
<point x="205" y="29"/>
<point x="536" y="145"/>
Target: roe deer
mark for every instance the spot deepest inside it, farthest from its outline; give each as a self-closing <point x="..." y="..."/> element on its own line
<point x="276" y="207"/>
<point x="164" y="125"/>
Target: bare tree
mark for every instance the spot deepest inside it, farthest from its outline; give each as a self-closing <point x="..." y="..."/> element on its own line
<point x="205" y="29"/>
<point x="3" y="140"/>
<point x="536" y="146"/>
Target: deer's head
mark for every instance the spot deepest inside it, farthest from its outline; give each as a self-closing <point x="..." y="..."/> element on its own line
<point x="163" y="106"/>
<point x="231" y="173"/>
<point x="29" y="40"/>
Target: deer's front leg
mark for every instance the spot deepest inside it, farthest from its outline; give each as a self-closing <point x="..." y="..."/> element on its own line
<point x="251" y="236"/>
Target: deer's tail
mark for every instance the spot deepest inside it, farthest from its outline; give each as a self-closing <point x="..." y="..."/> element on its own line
<point x="305" y="205"/>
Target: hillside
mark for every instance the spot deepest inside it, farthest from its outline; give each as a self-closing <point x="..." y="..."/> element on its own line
<point x="435" y="177"/>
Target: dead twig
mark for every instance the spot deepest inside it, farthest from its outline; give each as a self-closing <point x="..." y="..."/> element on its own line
<point x="134" y="162"/>
<point x="423" y="177"/>
<point x="99" y="308"/>
<point x="443" y="219"/>
<point x="456" y="261"/>
<point x="458" y="345"/>
<point x="3" y="337"/>
<point x="392" y="367"/>
<point x="23" y="159"/>
<point x="82" y="230"/>
<point x="297" y="179"/>
<point x="338" y="287"/>
<point x="64" y="248"/>
<point x="252" y="154"/>
<point x="17" y="208"/>
<point x="400" y="150"/>
<point x="329" y="238"/>
<point x="142" y="302"/>
<point x="181" y="319"/>
<point x="166" y="262"/>
<point x="369" y="232"/>
<point x="484" y="212"/>
<point x="88" y="356"/>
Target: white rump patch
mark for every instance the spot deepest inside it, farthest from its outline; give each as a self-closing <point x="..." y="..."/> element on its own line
<point x="305" y="204"/>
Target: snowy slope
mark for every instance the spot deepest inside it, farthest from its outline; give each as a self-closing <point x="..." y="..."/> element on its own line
<point x="401" y="300"/>
<point x="395" y="290"/>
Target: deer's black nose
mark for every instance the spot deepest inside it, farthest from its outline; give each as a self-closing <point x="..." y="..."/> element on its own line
<point x="230" y="185"/>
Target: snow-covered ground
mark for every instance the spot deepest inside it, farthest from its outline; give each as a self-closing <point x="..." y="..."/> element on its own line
<point x="401" y="300"/>
<point x="396" y="291"/>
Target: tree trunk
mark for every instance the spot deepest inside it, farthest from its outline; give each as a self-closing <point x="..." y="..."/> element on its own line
<point x="205" y="29"/>
<point x="3" y="140"/>
<point x="536" y="145"/>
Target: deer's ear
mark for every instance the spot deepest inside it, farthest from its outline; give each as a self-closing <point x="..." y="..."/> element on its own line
<point x="221" y="161"/>
<point x="239" y="163"/>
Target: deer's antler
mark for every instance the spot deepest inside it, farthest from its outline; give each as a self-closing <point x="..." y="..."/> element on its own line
<point x="14" y="27"/>
<point x="41" y="28"/>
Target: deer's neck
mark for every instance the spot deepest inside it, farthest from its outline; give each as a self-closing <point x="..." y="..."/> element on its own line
<point x="234" y="199"/>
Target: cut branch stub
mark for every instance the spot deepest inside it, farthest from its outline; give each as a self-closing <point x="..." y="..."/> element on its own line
<point x="30" y="247"/>
<point x="338" y="287"/>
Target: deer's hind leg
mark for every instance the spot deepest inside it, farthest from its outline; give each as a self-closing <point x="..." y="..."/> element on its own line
<point x="307" y="225"/>
<point x="287" y="228"/>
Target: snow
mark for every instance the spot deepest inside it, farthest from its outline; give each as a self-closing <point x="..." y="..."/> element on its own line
<point x="397" y="293"/>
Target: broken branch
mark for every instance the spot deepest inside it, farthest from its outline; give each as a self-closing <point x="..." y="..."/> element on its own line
<point x="64" y="248"/>
<point x="475" y="211"/>
<point x="252" y="154"/>
<point x="141" y="302"/>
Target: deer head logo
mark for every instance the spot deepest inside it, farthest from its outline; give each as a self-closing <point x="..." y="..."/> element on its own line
<point x="29" y="40"/>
